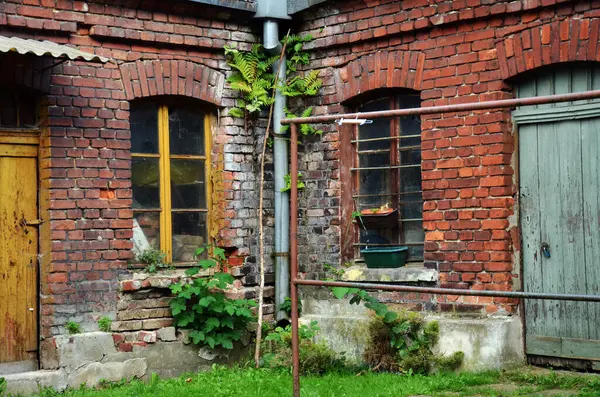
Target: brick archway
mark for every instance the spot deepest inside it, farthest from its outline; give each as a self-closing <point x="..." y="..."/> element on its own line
<point x="171" y="77"/>
<point x="569" y="40"/>
<point x="395" y="69"/>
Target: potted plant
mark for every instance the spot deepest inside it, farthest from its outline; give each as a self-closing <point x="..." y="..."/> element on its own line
<point x="382" y="217"/>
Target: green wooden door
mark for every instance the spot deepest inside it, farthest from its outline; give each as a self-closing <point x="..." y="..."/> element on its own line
<point x="559" y="178"/>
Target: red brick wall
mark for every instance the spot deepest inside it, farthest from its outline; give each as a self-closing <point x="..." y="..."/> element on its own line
<point x="452" y="52"/>
<point x="156" y="48"/>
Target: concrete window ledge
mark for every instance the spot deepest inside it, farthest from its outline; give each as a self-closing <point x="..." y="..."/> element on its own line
<point x="407" y="274"/>
<point x="162" y="279"/>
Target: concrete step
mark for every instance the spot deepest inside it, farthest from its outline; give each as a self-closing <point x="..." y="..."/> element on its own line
<point x="31" y="382"/>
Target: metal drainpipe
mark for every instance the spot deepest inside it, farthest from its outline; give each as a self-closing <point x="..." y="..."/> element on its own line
<point x="281" y="165"/>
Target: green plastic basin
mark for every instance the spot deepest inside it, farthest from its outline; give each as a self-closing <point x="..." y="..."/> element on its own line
<point x="385" y="257"/>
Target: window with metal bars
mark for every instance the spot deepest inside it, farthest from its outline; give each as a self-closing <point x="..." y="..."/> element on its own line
<point x="170" y="145"/>
<point x="387" y="178"/>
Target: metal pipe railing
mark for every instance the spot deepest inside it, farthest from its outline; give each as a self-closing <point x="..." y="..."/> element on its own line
<point x="462" y="107"/>
<point x="451" y="291"/>
<point x="295" y="281"/>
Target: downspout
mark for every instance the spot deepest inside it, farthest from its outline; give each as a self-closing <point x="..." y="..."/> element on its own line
<point x="280" y="165"/>
<point x="272" y="11"/>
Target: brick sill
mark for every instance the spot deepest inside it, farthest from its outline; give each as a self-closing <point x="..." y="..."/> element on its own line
<point x="409" y="274"/>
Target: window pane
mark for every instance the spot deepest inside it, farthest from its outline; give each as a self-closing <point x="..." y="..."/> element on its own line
<point x="187" y="184"/>
<point x="411" y="206"/>
<point x="144" y="128"/>
<point x="412" y="232"/>
<point x="377" y="237"/>
<point x="146" y="231"/>
<point x="378" y="129"/>
<point x="8" y="110"/>
<point x="145" y="182"/>
<point x="189" y="233"/>
<point x="186" y="130"/>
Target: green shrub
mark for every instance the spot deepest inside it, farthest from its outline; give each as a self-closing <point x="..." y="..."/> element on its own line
<point x="286" y="306"/>
<point x="3" y="386"/>
<point x="73" y="328"/>
<point x="104" y="324"/>
<point x="400" y="341"/>
<point x="201" y="305"/>
<point x="316" y="358"/>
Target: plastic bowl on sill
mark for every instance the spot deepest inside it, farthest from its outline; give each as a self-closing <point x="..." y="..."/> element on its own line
<point x="385" y="257"/>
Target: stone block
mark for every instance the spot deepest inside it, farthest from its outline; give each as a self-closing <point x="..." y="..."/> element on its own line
<point x="92" y="374"/>
<point x="184" y="336"/>
<point x="167" y="334"/>
<point x="27" y="383"/>
<point x="157" y="323"/>
<point x="76" y="351"/>
<point x="126" y="325"/>
<point x="146" y="336"/>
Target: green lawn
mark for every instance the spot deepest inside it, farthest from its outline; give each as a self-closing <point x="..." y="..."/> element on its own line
<point x="223" y="382"/>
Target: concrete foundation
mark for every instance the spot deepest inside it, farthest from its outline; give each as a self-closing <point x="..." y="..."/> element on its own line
<point x="488" y="343"/>
<point x="91" y="357"/>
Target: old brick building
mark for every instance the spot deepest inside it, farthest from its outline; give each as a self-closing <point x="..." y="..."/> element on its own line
<point x="102" y="136"/>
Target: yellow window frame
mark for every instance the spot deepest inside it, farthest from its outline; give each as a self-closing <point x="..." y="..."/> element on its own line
<point x="164" y="165"/>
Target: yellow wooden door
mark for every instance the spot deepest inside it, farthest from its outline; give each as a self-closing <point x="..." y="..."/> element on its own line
<point x="18" y="251"/>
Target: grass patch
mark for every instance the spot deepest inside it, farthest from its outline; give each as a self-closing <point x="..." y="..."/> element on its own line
<point x="237" y="382"/>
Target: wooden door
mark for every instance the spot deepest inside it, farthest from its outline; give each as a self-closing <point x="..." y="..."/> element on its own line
<point x="559" y="178"/>
<point x="18" y="250"/>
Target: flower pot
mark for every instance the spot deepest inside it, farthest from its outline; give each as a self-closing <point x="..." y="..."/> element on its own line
<point x="385" y="257"/>
<point x="382" y="219"/>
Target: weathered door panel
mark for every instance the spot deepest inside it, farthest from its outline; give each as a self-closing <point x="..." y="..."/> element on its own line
<point x="559" y="177"/>
<point x="18" y="252"/>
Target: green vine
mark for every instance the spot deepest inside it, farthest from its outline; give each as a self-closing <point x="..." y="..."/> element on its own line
<point x="202" y="306"/>
<point x="288" y="182"/>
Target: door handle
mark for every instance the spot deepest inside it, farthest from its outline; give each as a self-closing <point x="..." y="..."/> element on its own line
<point x="33" y="222"/>
<point x="545" y="248"/>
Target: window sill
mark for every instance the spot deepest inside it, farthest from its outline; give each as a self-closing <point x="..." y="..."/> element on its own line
<point x="414" y="273"/>
<point x="160" y="279"/>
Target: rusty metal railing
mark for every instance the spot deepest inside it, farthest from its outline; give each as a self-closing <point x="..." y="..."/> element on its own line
<point x="295" y="281"/>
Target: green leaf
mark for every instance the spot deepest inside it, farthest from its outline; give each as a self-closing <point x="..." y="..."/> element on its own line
<point x="207" y="263"/>
<point x="192" y="271"/>
<point x="227" y="322"/>
<point x="176" y="288"/>
<point x="177" y="306"/>
<point x="185" y="318"/>
<point x="235" y="112"/>
<point x="197" y="336"/>
<point x="227" y="344"/>
<point x="230" y="309"/>
<point x="219" y="253"/>
<point x="205" y="301"/>
<point x="340" y="292"/>
<point x="211" y="341"/>
<point x="211" y="323"/>
<point x="390" y="317"/>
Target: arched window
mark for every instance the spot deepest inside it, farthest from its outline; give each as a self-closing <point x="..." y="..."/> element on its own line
<point x="170" y="145"/>
<point x="387" y="177"/>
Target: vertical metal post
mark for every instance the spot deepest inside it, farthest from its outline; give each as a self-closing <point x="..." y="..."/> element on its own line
<point x="294" y="258"/>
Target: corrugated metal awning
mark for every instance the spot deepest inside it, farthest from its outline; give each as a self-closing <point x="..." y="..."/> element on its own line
<point x="41" y="48"/>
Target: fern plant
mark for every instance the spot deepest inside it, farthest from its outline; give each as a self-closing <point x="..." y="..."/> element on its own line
<point x="305" y="129"/>
<point x="254" y="82"/>
<point x="251" y="79"/>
